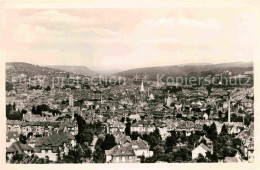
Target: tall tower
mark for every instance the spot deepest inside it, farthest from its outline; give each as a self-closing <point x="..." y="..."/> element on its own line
<point x="142" y="92"/>
<point x="229" y="109"/>
<point x="52" y="86"/>
<point x="125" y="118"/>
<point x="71" y="100"/>
<point x="142" y="87"/>
<point x="101" y="99"/>
<point x="72" y="114"/>
<point x="168" y="101"/>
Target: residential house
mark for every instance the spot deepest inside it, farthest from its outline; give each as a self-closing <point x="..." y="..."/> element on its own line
<point x="115" y="126"/>
<point x="235" y="159"/>
<point x="69" y="126"/>
<point x="129" y="152"/>
<point x="11" y="137"/>
<point x="51" y="146"/>
<point x="200" y="149"/>
<point x="19" y="148"/>
<point x="143" y="127"/>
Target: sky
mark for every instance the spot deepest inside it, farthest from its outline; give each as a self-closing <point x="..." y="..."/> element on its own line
<point x="121" y="39"/>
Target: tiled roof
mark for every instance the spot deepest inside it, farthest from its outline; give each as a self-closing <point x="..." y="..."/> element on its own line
<point x="67" y="124"/>
<point x="54" y="140"/>
<point x="230" y="159"/>
<point x="141" y="144"/>
<point x="13" y="134"/>
<point x="202" y="145"/>
<point x="119" y="150"/>
<point x="19" y="147"/>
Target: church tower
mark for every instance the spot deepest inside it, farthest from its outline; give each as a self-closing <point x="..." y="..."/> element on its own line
<point x="71" y="100"/>
<point x="142" y="91"/>
<point x="229" y="114"/>
<point x="142" y="87"/>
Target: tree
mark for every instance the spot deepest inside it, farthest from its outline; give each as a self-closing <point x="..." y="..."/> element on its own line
<point x="14" y="106"/>
<point x="157" y="133"/>
<point x="9" y="86"/>
<point x="109" y="142"/>
<point x="23" y="111"/>
<point x="38" y="110"/>
<point x="33" y="110"/>
<point x="183" y="138"/>
<point x="201" y="159"/>
<point x="14" y="115"/>
<point x="87" y="150"/>
<point x="22" y="139"/>
<point x="203" y="141"/>
<point x="128" y="129"/>
<point x="99" y="156"/>
<point x="158" y="150"/>
<point x="237" y="143"/>
<point x="153" y="139"/>
<point x="17" y="158"/>
<point x="224" y="130"/>
<point x="184" y="154"/>
<point x="212" y="132"/>
<point x="48" y="88"/>
<point x="170" y="142"/>
<point x="29" y="135"/>
<point x="85" y="136"/>
<point x="134" y="135"/>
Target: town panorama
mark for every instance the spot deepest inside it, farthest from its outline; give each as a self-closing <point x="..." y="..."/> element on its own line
<point x="154" y="84"/>
<point x="56" y="116"/>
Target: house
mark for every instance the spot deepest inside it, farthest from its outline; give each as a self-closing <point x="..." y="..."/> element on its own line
<point x="69" y="126"/>
<point x="205" y="116"/>
<point x="121" y="138"/>
<point x="115" y="126"/>
<point x="140" y="147"/>
<point x="142" y="127"/>
<point x="247" y="137"/>
<point x="11" y="137"/>
<point x="135" y="117"/>
<point x="235" y="159"/>
<point x="128" y="152"/>
<point x="208" y="141"/>
<point x="50" y="146"/>
<point x="31" y="141"/>
<point x="121" y="154"/>
<point x="164" y="132"/>
<point x="250" y="153"/>
<point x="19" y="148"/>
<point x="14" y="125"/>
<point x="200" y="149"/>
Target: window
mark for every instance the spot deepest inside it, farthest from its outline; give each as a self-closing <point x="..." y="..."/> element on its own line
<point x="46" y="151"/>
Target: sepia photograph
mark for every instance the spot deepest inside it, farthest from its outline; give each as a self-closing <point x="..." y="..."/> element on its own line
<point x="140" y="84"/>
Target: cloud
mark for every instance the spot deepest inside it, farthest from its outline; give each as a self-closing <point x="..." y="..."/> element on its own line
<point x="29" y="34"/>
<point x="61" y="27"/>
<point x="171" y="30"/>
<point x="118" y="39"/>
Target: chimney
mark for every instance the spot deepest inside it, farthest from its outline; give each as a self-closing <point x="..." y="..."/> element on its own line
<point x="229" y="109"/>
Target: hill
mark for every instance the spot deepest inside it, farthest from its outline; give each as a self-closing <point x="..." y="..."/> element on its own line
<point x="81" y="70"/>
<point x="14" y="69"/>
<point x="189" y="70"/>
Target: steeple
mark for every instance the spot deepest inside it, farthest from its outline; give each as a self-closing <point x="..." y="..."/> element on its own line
<point x="142" y="87"/>
<point x="71" y="100"/>
<point x="125" y="118"/>
<point x="101" y="100"/>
